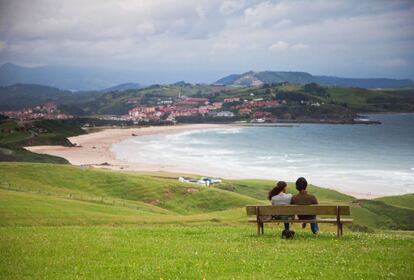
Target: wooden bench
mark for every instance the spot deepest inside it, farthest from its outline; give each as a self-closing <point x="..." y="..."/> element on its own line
<point x="262" y="214"/>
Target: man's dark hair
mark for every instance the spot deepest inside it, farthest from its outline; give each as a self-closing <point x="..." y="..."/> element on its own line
<point x="301" y="184"/>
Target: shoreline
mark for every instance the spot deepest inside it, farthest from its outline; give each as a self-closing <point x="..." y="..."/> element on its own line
<point x="94" y="149"/>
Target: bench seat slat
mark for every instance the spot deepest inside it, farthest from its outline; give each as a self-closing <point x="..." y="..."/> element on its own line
<point x="321" y="221"/>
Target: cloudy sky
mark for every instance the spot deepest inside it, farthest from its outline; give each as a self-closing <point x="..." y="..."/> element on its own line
<point x="200" y="41"/>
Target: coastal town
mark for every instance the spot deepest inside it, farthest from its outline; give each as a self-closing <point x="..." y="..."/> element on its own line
<point x="169" y="110"/>
<point x="48" y="110"/>
<point x="187" y="107"/>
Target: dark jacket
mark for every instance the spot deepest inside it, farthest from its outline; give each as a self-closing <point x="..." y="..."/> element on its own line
<point x="304" y="198"/>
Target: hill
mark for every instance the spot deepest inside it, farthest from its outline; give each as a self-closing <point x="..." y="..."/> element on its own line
<point x="164" y="192"/>
<point x="252" y="78"/>
<point x="340" y="101"/>
<point x="123" y="87"/>
<point x="120" y="102"/>
<point x="405" y="201"/>
<point x="19" y="96"/>
<point x="62" y="77"/>
<point x="364" y="100"/>
<point x="114" y="100"/>
<point x="76" y="222"/>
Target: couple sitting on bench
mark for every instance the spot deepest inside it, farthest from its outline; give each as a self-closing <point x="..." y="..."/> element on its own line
<point x="279" y="196"/>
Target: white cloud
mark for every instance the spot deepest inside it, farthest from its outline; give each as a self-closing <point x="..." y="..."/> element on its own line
<point x="279" y="46"/>
<point x="282" y="45"/>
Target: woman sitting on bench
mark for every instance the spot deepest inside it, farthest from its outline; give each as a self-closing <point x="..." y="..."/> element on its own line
<point x="279" y="196"/>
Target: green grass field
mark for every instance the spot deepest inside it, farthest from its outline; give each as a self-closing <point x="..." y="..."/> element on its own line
<point x="209" y="252"/>
<point x="67" y="222"/>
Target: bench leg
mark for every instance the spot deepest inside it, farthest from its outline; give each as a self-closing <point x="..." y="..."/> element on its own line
<point x="260" y="228"/>
<point x="338" y="230"/>
<point x="342" y="229"/>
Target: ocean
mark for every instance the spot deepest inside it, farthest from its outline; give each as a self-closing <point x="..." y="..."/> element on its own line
<point x="360" y="159"/>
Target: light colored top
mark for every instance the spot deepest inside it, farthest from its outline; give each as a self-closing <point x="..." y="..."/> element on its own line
<point x="282" y="199"/>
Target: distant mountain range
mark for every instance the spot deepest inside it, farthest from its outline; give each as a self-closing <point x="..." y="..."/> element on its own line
<point x="252" y="78"/>
<point x="20" y="96"/>
<point x="92" y="79"/>
<point x="62" y="77"/>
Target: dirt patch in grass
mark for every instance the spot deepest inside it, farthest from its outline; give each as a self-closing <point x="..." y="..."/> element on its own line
<point x="153" y="201"/>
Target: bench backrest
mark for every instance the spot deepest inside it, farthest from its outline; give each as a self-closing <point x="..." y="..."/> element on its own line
<point x="298" y="210"/>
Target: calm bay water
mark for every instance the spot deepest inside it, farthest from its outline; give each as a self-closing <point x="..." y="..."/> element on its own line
<point x="362" y="159"/>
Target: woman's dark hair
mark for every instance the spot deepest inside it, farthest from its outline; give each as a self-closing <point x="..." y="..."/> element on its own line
<point x="277" y="190"/>
<point x="301" y="184"/>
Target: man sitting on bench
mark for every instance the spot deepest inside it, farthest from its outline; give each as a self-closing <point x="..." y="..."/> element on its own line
<point x="303" y="198"/>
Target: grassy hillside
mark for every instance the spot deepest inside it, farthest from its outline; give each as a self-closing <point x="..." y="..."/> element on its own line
<point x="378" y="214"/>
<point x="15" y="136"/>
<point x="65" y="222"/>
<point x="17" y="154"/>
<point x="364" y="100"/>
<point x="31" y="133"/>
<point x="99" y="186"/>
<point x="406" y="201"/>
<point x="56" y="132"/>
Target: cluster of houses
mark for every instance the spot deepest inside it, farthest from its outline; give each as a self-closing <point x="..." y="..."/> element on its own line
<point x="48" y="110"/>
<point x="195" y="107"/>
<point x="187" y="107"/>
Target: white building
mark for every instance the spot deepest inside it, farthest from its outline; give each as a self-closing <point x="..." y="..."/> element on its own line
<point x="226" y="114"/>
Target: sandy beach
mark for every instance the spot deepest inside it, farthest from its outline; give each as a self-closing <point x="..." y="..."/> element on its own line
<point x="94" y="149"/>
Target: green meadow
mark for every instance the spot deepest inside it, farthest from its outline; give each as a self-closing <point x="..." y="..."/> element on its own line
<point x="69" y="222"/>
